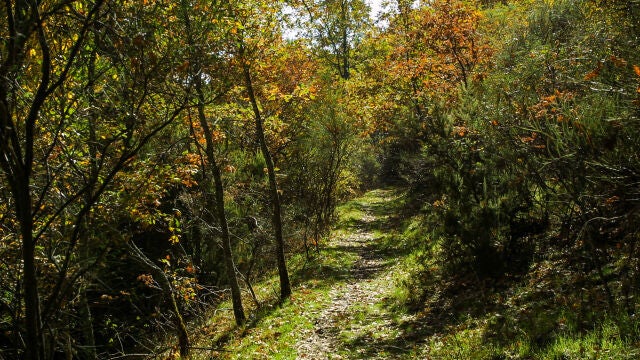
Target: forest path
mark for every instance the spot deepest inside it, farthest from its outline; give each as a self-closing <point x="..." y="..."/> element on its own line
<point x="344" y="303"/>
<point x="354" y="324"/>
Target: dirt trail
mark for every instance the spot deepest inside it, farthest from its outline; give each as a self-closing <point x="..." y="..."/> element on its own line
<point x="336" y="327"/>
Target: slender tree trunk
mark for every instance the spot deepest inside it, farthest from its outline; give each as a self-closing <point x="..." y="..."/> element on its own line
<point x="247" y="277"/>
<point x="404" y="8"/>
<point x="344" y="17"/>
<point x="183" y="335"/>
<point x="86" y="323"/>
<point x="85" y="250"/>
<point x="285" y="286"/>
<point x="236" y="295"/>
<point x="214" y="168"/>
<point x="16" y="162"/>
<point x="33" y="324"/>
<point x="196" y="236"/>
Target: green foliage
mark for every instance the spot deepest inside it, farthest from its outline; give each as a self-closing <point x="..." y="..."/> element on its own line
<point x="323" y="161"/>
<point x="538" y="143"/>
<point x="515" y="125"/>
<point x="529" y="179"/>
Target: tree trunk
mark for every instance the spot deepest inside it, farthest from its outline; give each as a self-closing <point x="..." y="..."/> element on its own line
<point x="236" y="295"/>
<point x="86" y="324"/>
<point x="344" y="41"/>
<point x="85" y="250"/>
<point x="183" y="335"/>
<point x="214" y="168"/>
<point x="33" y="324"/>
<point x="285" y="286"/>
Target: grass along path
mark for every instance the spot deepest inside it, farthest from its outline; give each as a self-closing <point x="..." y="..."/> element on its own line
<point x="351" y="302"/>
<point x="337" y="310"/>
<point x="346" y="328"/>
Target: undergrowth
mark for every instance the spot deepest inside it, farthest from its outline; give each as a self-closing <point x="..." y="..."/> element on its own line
<point x="554" y="310"/>
<point x="423" y="310"/>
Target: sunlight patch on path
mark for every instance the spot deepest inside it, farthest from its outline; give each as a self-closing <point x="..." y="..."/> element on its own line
<point x="347" y="327"/>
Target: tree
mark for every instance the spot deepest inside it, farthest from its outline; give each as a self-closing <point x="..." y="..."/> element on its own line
<point x="197" y="69"/>
<point x="436" y="48"/>
<point x="253" y="34"/>
<point x="66" y="132"/>
<point x="169" y="294"/>
<point x="25" y="35"/>
<point x="336" y="26"/>
<point x="285" y="286"/>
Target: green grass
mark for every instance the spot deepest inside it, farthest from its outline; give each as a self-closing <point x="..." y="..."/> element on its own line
<point x="605" y="342"/>
<point x="417" y="312"/>
<point x="273" y="330"/>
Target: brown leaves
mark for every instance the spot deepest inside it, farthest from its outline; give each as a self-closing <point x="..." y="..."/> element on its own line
<point x="460" y="131"/>
<point x="594" y="73"/>
<point x="618" y="62"/>
<point x="183" y="67"/>
<point x="146" y="279"/>
<point x="636" y="70"/>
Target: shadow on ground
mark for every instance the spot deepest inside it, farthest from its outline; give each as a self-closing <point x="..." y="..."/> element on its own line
<point x="367" y="220"/>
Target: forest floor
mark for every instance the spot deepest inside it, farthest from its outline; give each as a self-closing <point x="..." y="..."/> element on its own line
<point x="355" y="323"/>
<point x="341" y="307"/>
<point x="350" y="301"/>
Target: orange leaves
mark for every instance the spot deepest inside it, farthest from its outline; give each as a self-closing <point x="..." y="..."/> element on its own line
<point x="460" y="131"/>
<point x="187" y="166"/>
<point x="636" y="70"/>
<point x="218" y="136"/>
<point x="618" y="62"/>
<point x="440" y="48"/>
<point x="183" y="67"/>
<point x="189" y="182"/>
<point x="594" y="73"/>
<point x="529" y="139"/>
<point x="551" y="99"/>
<point x="288" y="76"/>
<point x="191" y="159"/>
<point x="610" y="63"/>
<point x="533" y="140"/>
<point x="440" y="203"/>
<point x="550" y="106"/>
<point x="611" y="200"/>
<point x="190" y="269"/>
<point x="186" y="287"/>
